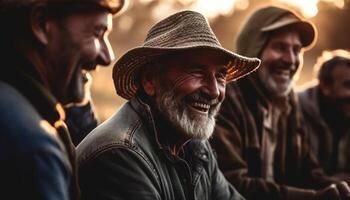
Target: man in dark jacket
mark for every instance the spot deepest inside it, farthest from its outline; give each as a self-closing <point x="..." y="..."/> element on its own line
<point x="155" y="146"/>
<point x="47" y="48"/>
<point x="259" y="138"/>
<point x="326" y="107"/>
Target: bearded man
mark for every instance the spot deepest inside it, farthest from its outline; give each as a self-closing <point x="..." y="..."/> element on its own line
<point x="326" y="107"/>
<point x="48" y="48"/>
<point x="260" y="139"/>
<point x="155" y="146"/>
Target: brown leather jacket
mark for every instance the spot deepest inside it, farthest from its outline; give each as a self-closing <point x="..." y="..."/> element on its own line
<point x="241" y="125"/>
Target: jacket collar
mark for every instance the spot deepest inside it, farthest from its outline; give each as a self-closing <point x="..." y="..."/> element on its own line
<point x="23" y="77"/>
<point x="144" y="111"/>
<point x="195" y="148"/>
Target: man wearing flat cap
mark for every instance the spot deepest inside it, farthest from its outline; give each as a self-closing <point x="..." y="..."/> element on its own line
<point x="48" y="47"/>
<point x="260" y="140"/>
<point x="155" y="146"/>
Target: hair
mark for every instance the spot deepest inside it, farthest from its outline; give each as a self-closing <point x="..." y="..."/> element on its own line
<point x="328" y="61"/>
<point x="15" y="23"/>
<point x="15" y="20"/>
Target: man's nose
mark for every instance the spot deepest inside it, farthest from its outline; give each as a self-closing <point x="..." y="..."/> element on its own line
<point x="290" y="58"/>
<point x="106" y="55"/>
<point x="212" y="87"/>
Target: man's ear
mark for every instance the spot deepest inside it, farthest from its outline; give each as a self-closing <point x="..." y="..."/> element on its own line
<point x="148" y="81"/>
<point x="39" y="23"/>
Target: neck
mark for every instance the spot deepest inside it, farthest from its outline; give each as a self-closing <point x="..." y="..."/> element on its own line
<point x="39" y="65"/>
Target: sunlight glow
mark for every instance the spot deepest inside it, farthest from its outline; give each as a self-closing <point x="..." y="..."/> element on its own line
<point x="209" y="8"/>
<point x="329" y="54"/>
<point x="308" y="8"/>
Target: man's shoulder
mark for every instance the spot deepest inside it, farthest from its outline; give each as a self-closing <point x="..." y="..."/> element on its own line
<point x="307" y="93"/>
<point x="22" y="128"/>
<point x="120" y="130"/>
<point x="308" y="99"/>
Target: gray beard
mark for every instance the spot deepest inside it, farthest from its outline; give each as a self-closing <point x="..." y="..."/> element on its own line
<point x="193" y="126"/>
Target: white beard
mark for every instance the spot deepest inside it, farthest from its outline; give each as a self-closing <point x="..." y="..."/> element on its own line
<point x="276" y="89"/>
<point x="194" y="126"/>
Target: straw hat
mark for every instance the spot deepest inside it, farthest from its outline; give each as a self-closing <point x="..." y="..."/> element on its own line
<point x="113" y="5"/>
<point x="182" y="31"/>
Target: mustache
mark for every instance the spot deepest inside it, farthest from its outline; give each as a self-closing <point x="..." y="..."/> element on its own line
<point x="203" y="98"/>
<point x="283" y="65"/>
<point x="89" y="66"/>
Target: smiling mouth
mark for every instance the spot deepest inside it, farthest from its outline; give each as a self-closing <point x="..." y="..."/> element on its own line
<point x="200" y="107"/>
<point x="282" y="75"/>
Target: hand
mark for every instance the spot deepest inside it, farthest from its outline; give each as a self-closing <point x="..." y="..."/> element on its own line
<point x="337" y="191"/>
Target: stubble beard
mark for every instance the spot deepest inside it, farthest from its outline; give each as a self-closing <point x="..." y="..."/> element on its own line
<point x="274" y="88"/>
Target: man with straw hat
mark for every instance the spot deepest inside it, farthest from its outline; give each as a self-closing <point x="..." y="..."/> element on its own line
<point x="260" y="139"/>
<point x="155" y="146"/>
<point x="47" y="49"/>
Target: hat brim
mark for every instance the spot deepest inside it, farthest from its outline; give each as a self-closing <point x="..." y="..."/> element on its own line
<point x="125" y="69"/>
<point x="306" y="29"/>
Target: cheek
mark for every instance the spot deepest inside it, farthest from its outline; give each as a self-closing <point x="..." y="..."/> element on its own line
<point x="89" y="51"/>
<point x="185" y="85"/>
<point x="222" y="91"/>
<point x="342" y="92"/>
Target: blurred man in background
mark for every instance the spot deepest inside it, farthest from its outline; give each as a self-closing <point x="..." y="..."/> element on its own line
<point x="155" y="147"/>
<point x="47" y="49"/>
<point x="326" y="107"/>
<point x="259" y="138"/>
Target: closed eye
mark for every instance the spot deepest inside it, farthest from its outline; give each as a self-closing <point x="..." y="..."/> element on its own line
<point x="222" y="73"/>
<point x="196" y="70"/>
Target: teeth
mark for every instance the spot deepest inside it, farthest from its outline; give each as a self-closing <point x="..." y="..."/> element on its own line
<point x="283" y="72"/>
<point x="201" y="105"/>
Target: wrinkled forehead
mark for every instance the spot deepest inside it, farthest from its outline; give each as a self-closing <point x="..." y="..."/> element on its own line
<point x="202" y="57"/>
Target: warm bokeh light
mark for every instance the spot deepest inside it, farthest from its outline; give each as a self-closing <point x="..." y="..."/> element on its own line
<point x="327" y="55"/>
<point x="308" y="8"/>
<point x="212" y="8"/>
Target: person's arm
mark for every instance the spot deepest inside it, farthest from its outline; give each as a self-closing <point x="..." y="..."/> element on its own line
<point x="33" y="164"/>
<point x="221" y="188"/>
<point x="38" y="175"/>
<point x="119" y="173"/>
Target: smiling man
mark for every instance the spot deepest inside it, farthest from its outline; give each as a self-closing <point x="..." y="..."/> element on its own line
<point x="260" y="139"/>
<point x="326" y="107"/>
<point x="48" y="48"/>
<point x="155" y="146"/>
